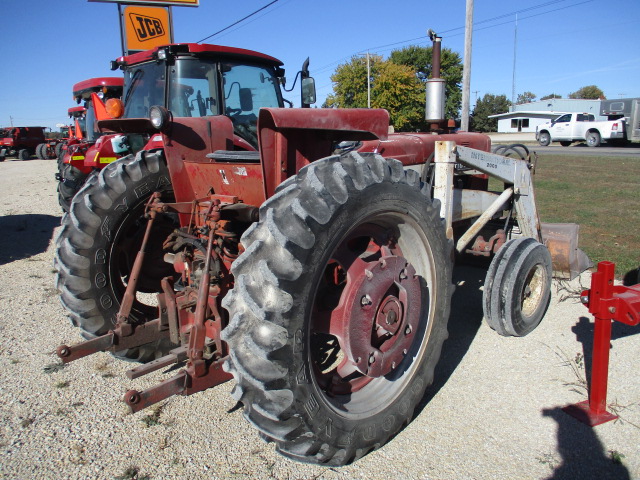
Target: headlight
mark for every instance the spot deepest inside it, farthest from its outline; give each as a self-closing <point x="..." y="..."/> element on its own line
<point x="159" y="116"/>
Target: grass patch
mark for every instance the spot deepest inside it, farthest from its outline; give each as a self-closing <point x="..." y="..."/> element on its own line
<point x="53" y="367"/>
<point x="132" y="473"/>
<point x="601" y="195"/>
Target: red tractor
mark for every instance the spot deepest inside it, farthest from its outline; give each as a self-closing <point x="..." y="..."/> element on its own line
<point x="52" y="147"/>
<point x="20" y="142"/>
<point x="305" y="253"/>
<point x="86" y="154"/>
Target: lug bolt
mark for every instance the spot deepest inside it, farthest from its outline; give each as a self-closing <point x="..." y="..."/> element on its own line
<point x="371" y="359"/>
<point x="366" y="300"/>
<point x="368" y="274"/>
<point x="407" y="330"/>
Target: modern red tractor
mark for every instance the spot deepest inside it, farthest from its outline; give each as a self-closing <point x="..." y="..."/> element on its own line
<point x="86" y="153"/>
<point x="20" y="142"/>
<point x="319" y="281"/>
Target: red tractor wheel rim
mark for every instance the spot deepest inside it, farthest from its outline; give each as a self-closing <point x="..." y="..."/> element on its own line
<point x="373" y="313"/>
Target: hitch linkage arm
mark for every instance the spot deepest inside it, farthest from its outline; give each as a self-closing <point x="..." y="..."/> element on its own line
<point x="124" y="335"/>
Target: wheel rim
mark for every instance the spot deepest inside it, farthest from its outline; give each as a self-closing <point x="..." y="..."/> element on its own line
<point x="124" y="248"/>
<point x="367" y="337"/>
<point x="532" y="291"/>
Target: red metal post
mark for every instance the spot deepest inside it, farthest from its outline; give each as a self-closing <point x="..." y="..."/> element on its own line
<point x="606" y="302"/>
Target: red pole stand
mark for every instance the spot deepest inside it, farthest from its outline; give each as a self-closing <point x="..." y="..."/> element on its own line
<point x="606" y="302"/>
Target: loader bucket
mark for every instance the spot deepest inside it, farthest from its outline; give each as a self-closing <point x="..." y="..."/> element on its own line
<point x="562" y="241"/>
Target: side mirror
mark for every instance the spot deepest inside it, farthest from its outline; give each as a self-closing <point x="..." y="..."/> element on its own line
<point x="308" y="91"/>
<point x="246" y="100"/>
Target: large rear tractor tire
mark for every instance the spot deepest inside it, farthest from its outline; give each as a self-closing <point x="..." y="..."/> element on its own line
<point x="99" y="240"/>
<point x="340" y="308"/>
<point x="58" y="149"/>
<point x="40" y="151"/>
<point x="517" y="288"/>
<point x="24" y="154"/>
<point x="72" y="180"/>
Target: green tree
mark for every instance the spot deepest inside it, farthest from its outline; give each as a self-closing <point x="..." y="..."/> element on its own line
<point x="350" y="82"/>
<point x="550" y="96"/>
<point x="397" y="90"/>
<point x="400" y="90"/>
<point x="488" y="105"/>
<point x="526" y="97"/>
<point x="589" y="92"/>
<point x="420" y="60"/>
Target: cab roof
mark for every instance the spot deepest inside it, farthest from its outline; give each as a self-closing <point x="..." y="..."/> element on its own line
<point x="97" y="84"/>
<point x="203" y="49"/>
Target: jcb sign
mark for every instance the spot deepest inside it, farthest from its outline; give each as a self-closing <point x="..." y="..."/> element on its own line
<point x="146" y="27"/>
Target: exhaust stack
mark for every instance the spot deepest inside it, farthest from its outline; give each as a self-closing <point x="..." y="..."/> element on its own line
<point x="435" y="97"/>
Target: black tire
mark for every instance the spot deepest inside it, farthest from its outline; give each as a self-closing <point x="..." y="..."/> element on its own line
<point x="98" y="243"/>
<point x="337" y="213"/>
<point x="72" y="180"/>
<point x="544" y="139"/>
<point x="517" y="288"/>
<point x="24" y="154"/>
<point x="565" y="143"/>
<point x="39" y="151"/>
<point x="593" y="139"/>
<point x="58" y="149"/>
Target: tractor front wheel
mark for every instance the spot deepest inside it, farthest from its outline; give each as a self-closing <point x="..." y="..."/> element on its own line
<point x="24" y="154"/>
<point x="98" y="243"/>
<point x="339" y="308"/>
<point x="517" y="288"/>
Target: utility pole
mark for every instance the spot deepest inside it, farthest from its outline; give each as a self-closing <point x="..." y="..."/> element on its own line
<point x="515" y="48"/>
<point x="475" y="92"/>
<point x="368" y="81"/>
<point x="11" y="120"/>
<point x="466" y="70"/>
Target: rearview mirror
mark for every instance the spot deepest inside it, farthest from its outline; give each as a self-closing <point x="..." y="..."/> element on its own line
<point x="308" y="94"/>
<point x="246" y="100"/>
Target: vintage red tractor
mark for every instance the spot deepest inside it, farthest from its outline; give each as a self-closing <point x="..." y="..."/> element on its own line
<point x="20" y="142"/>
<point x="243" y="246"/>
<point x="85" y="153"/>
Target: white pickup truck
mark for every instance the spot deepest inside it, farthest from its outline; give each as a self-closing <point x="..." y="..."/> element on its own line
<point x="575" y="127"/>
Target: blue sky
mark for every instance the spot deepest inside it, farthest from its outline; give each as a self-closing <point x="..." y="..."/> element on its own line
<point x="48" y="45"/>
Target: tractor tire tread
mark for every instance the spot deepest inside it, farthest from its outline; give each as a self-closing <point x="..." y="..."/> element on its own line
<point x="276" y="249"/>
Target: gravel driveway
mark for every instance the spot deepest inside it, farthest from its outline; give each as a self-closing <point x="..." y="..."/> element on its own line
<point x="494" y="411"/>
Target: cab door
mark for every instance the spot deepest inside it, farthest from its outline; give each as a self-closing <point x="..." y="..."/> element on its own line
<point x="561" y="128"/>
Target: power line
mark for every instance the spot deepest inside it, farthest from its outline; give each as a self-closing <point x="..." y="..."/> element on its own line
<point x="236" y="23"/>
<point x="505" y="15"/>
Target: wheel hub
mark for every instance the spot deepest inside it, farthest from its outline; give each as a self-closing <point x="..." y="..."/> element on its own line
<point x="381" y="312"/>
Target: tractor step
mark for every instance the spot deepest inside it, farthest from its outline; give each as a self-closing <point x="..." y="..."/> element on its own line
<point x="176" y="355"/>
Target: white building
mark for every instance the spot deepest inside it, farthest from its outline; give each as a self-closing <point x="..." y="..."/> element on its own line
<point x="527" y="116"/>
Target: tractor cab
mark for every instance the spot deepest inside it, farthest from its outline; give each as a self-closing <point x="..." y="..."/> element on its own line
<point x="192" y="80"/>
<point x="92" y="94"/>
<point x="78" y="115"/>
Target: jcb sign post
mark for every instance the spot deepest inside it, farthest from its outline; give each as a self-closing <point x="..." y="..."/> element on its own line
<point x="146" y="27"/>
<point x="145" y="24"/>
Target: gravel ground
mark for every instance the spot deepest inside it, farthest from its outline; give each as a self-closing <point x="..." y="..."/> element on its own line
<point x="492" y="413"/>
